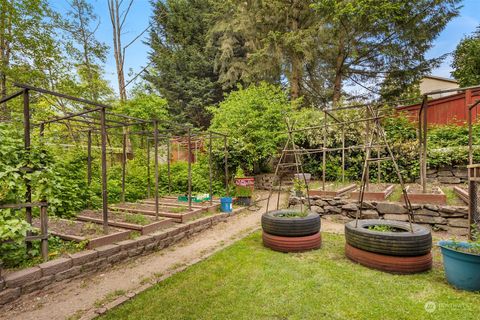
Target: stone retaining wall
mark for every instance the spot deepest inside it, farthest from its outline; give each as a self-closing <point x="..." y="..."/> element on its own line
<point x="447" y="175"/>
<point x="84" y="263"/>
<point x="453" y="219"/>
<point x="264" y="181"/>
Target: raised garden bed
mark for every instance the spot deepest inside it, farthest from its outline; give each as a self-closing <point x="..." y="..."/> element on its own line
<point x="170" y="201"/>
<point x="462" y="194"/>
<point x="81" y="231"/>
<point x="434" y="195"/>
<point x="179" y="214"/>
<point x="332" y="190"/>
<point x="375" y="192"/>
<point x="134" y="221"/>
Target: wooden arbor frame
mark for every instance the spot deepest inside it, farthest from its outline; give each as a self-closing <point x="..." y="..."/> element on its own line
<point x="93" y="124"/>
<point x="376" y="132"/>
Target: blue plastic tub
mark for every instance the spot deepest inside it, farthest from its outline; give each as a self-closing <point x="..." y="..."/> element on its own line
<point x="462" y="269"/>
<point x="226" y="204"/>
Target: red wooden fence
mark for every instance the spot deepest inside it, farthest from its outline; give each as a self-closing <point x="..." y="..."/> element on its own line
<point x="446" y="110"/>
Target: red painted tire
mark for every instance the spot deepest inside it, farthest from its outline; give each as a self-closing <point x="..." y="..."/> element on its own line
<point x="292" y="244"/>
<point x="392" y="264"/>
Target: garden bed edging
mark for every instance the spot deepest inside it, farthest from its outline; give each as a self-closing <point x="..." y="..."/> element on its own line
<point x="84" y="263"/>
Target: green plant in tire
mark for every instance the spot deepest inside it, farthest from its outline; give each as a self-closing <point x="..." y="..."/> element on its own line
<point x="384" y="228"/>
<point x="299" y="186"/>
<point x="292" y="214"/>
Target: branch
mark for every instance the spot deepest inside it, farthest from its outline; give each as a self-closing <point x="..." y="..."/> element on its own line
<point x="125" y="13"/>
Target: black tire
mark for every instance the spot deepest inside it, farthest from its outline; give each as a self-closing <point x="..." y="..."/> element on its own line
<point x="402" y="244"/>
<point x="290" y="227"/>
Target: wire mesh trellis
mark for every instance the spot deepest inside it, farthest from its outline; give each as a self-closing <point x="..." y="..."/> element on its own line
<point x="474" y="195"/>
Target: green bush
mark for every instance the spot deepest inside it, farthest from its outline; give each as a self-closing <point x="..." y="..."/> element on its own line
<point x="254" y="120"/>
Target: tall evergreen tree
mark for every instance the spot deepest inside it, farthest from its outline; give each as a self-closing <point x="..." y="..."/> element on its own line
<point x="320" y="46"/>
<point x="182" y="64"/>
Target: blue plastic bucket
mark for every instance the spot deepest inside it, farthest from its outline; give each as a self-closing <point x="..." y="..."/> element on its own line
<point x="226" y="204"/>
<point x="462" y="269"/>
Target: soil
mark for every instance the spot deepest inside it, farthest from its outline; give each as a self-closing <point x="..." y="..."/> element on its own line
<point x="88" y="230"/>
<point x="416" y="188"/>
<point x="329" y="186"/>
<point x="121" y="216"/>
<point x="151" y="207"/>
<point x="376" y="187"/>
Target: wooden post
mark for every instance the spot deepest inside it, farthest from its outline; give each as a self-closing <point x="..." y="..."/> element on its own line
<point x="168" y="167"/>
<point x="44" y="232"/>
<point x="155" y="143"/>
<point x="89" y="158"/>
<point x="226" y="164"/>
<point x="43" y="215"/>
<point x="104" y="170"/>
<point x="324" y="153"/>
<point x="378" y="166"/>
<point x="367" y="153"/>
<point x="420" y="148"/>
<point x="424" y="142"/>
<point x="124" y="164"/>
<point x="189" y="148"/>
<point x="343" y="154"/>
<point x="472" y="186"/>
<point x="210" y="167"/>
<point x="148" y="170"/>
<point x="27" y="144"/>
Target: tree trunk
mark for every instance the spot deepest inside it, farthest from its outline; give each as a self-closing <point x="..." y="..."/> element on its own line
<point x="114" y="8"/>
<point x="337" y="82"/>
<point x="296" y="72"/>
<point x="86" y="50"/>
<point x="5" y="32"/>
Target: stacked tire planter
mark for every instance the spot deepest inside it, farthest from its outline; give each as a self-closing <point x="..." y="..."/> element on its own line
<point x="292" y="233"/>
<point x="404" y="252"/>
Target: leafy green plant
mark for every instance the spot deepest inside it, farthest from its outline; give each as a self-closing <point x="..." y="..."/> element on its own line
<point x="136" y="219"/>
<point x="239" y="173"/>
<point x="292" y="214"/>
<point x="299" y="185"/>
<point x="384" y="228"/>
<point x="178" y="209"/>
<point x="254" y="120"/>
<point x="472" y="247"/>
<point x="241" y="191"/>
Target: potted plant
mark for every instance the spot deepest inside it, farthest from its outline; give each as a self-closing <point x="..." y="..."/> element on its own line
<point x="244" y="187"/>
<point x="461" y="261"/>
<point x="303" y="176"/>
<point x="299" y="187"/>
<point x="244" y="195"/>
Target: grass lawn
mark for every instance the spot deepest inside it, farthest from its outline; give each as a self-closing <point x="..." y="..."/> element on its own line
<point x="248" y="281"/>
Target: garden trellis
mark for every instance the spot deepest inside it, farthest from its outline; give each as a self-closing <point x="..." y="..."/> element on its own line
<point x="95" y="119"/>
<point x="375" y="138"/>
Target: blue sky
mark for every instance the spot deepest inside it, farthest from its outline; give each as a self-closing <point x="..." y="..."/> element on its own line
<point x="138" y="19"/>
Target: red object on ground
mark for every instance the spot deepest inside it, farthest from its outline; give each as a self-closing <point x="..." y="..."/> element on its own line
<point x="292" y="244"/>
<point x="392" y="264"/>
<point x="247" y="182"/>
<point x="451" y="109"/>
